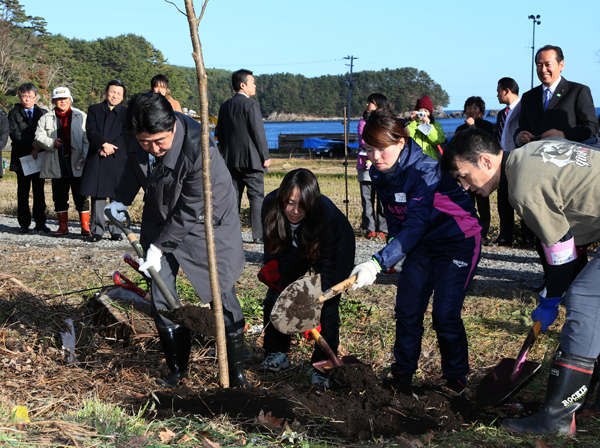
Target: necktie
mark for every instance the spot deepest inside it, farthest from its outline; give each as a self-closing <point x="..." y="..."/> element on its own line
<point x="30" y="116"/>
<point x="501" y="122"/>
<point x="547" y="100"/>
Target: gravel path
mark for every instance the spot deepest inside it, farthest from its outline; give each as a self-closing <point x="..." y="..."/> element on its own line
<point x="502" y="271"/>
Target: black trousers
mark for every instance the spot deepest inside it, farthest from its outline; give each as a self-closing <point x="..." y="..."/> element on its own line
<point x="507" y="214"/>
<point x="60" y="194"/>
<point x="255" y="189"/>
<point x="483" y="210"/>
<point x="25" y="184"/>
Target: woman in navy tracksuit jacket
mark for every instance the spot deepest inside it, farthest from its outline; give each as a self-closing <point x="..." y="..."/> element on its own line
<point x="434" y="240"/>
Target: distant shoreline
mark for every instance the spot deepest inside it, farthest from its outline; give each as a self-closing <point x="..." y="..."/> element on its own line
<point x="289" y="118"/>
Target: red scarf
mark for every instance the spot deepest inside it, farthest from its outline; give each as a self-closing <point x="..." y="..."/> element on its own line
<point x="64" y="130"/>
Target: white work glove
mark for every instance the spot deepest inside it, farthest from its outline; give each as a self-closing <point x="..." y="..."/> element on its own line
<point x="117" y="209"/>
<point x="366" y="272"/>
<point x="152" y="260"/>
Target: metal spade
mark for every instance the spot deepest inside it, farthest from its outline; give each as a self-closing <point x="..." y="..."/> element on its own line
<point x="509" y="374"/>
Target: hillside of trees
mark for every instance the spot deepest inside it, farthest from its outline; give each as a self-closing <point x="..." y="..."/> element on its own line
<point x="29" y="53"/>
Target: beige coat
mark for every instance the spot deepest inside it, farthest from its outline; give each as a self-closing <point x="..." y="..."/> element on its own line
<point x="46" y="134"/>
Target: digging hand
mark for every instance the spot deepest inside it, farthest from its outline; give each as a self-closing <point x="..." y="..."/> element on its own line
<point x="269" y="275"/>
<point x="366" y="272"/>
<point x="117" y="209"/>
<point x="152" y="260"/>
<point x="547" y="310"/>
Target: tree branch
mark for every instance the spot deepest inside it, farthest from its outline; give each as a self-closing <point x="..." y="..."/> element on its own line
<point x="177" y="7"/>
<point x="202" y="12"/>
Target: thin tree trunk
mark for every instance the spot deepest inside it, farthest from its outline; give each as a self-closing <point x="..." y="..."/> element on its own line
<point x="194" y="22"/>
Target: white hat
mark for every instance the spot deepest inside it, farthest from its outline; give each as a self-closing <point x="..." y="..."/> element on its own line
<point x="61" y="92"/>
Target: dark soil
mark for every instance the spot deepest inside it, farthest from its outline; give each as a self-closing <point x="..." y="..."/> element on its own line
<point x="355" y="408"/>
<point x="198" y="319"/>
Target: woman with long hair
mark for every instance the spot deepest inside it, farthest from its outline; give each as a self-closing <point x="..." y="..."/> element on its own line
<point x="373" y="217"/>
<point x="303" y="230"/>
<point x="434" y="242"/>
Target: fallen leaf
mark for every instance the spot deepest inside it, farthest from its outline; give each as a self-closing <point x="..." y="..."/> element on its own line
<point x="138" y="441"/>
<point x="185" y="438"/>
<point x="209" y="444"/>
<point x="428" y="437"/>
<point x="540" y="444"/>
<point x="269" y="421"/>
<point x="21" y="413"/>
<point x="166" y="435"/>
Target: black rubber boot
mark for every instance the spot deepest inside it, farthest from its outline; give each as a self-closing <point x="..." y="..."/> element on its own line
<point x="177" y="343"/>
<point x="568" y="384"/>
<point x="235" y="360"/>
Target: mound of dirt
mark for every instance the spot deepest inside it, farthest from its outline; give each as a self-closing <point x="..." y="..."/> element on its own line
<point x="198" y="319"/>
<point x="355" y="408"/>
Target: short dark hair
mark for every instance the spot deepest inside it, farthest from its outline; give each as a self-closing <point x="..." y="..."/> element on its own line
<point x="558" y="50"/>
<point x="384" y="128"/>
<point x="510" y="84"/>
<point x="239" y="77"/>
<point x="478" y="101"/>
<point x="27" y="87"/>
<point x="150" y="113"/>
<point x="159" y="80"/>
<point x="116" y="82"/>
<point x="468" y="145"/>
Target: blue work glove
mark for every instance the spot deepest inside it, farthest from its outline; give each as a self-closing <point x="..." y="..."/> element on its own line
<point x="547" y="310"/>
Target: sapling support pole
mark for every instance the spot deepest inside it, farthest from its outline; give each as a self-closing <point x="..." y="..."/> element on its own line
<point x="194" y="23"/>
<point x="346" y="140"/>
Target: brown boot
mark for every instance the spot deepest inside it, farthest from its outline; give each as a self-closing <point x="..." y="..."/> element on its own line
<point x="63" y="224"/>
<point x="84" y="217"/>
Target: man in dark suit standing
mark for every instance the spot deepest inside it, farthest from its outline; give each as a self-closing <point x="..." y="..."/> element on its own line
<point x="22" y="122"/>
<point x="557" y="107"/>
<point x="506" y="124"/>
<point x="106" y="157"/>
<point x="241" y="134"/>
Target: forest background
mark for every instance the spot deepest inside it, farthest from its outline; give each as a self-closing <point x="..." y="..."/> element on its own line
<point x="28" y="53"/>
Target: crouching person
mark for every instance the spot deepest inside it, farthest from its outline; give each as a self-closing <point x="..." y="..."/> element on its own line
<point x="552" y="185"/>
<point x="165" y="159"/>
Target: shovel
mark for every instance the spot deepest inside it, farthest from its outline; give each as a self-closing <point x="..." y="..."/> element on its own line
<point x="298" y="307"/>
<point x="333" y="360"/>
<point x="509" y="374"/>
<point x="138" y="250"/>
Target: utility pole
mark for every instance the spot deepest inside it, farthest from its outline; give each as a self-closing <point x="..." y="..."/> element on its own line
<point x="346" y="123"/>
<point x="536" y="21"/>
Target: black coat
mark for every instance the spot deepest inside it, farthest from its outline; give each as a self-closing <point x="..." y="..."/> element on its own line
<point x="241" y="133"/>
<point x="173" y="216"/>
<point x="571" y="110"/>
<point x="337" y="251"/>
<point x="101" y="175"/>
<point x="22" y="134"/>
<point x="480" y="123"/>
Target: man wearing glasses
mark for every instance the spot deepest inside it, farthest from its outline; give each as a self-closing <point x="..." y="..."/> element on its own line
<point x="22" y="121"/>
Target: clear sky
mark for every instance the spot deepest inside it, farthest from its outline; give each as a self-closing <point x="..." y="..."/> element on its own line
<point x="464" y="46"/>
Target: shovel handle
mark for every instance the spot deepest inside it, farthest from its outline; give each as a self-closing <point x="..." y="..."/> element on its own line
<point x="325" y="347"/>
<point x="160" y="284"/>
<point x="337" y="289"/>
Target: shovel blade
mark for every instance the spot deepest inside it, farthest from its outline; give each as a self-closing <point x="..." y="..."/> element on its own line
<point x="498" y="385"/>
<point x="324" y="366"/>
<point x="297" y="308"/>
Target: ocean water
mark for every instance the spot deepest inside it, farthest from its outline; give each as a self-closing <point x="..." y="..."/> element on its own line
<point x="273" y="130"/>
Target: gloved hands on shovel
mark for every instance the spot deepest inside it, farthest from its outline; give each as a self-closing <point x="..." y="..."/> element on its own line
<point x="366" y="274"/>
<point x="547" y="310"/>
<point x="117" y="209"/>
<point x="152" y="260"/>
